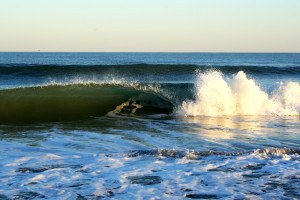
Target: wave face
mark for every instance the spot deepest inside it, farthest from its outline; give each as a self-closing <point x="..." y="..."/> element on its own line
<point x="216" y="95"/>
<point x="79" y="101"/>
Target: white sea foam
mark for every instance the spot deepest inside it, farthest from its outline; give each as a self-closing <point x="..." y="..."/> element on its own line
<point x="38" y="177"/>
<point x="251" y="175"/>
<point x="239" y="95"/>
<point x="52" y="156"/>
<point x="147" y="158"/>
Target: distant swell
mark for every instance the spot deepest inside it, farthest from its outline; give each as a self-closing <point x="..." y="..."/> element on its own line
<point x="138" y="69"/>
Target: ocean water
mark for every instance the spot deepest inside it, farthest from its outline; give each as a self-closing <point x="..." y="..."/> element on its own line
<point x="149" y="126"/>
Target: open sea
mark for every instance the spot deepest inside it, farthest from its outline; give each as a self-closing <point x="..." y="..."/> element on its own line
<point x="149" y="125"/>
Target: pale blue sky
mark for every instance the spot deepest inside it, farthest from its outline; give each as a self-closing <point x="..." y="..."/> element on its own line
<point x="153" y="25"/>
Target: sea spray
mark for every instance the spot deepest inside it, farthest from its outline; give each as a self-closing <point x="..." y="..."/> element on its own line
<point x="288" y="95"/>
<point x="215" y="95"/>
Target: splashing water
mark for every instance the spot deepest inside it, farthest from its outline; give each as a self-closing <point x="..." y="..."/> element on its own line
<point x="240" y="96"/>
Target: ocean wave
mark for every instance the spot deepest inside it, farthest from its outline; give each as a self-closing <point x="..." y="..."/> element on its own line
<point x="78" y="101"/>
<point x="213" y="94"/>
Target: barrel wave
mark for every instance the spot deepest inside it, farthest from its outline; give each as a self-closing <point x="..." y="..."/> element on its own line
<point x="77" y="101"/>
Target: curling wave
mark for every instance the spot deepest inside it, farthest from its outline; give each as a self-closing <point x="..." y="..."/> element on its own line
<point x="77" y="101"/>
<point x="213" y="94"/>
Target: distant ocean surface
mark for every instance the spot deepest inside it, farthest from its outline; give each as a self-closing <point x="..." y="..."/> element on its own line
<point x="149" y="125"/>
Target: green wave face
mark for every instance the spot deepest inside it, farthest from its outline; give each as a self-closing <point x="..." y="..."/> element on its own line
<point x="73" y="102"/>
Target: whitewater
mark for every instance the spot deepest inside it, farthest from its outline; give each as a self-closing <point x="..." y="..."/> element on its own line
<point x="240" y="96"/>
<point x="149" y="126"/>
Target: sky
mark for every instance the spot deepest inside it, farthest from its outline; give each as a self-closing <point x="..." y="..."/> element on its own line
<point x="150" y="25"/>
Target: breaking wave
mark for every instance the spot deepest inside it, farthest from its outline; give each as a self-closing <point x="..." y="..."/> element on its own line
<point x="78" y="101"/>
<point x="213" y="94"/>
<point x="217" y="95"/>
